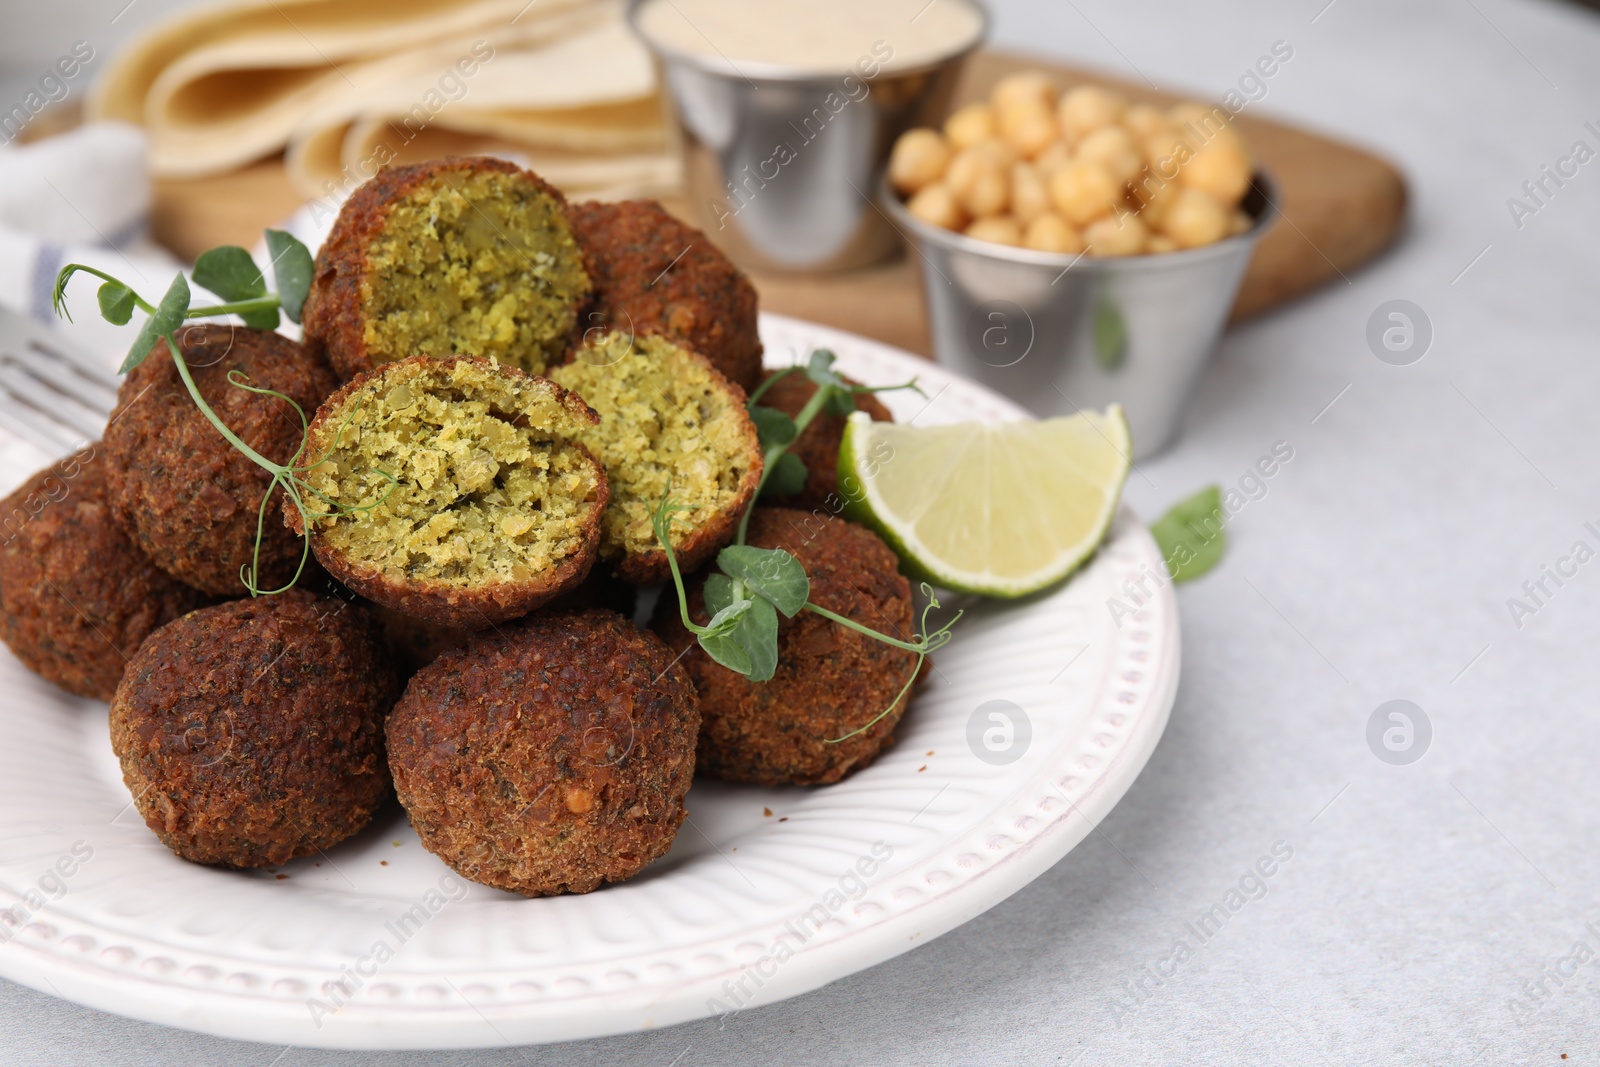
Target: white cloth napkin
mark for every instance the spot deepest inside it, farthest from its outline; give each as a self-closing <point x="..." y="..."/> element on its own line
<point x="80" y="197"/>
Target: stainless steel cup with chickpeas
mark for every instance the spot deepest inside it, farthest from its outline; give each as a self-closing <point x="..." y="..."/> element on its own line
<point x="1078" y="249"/>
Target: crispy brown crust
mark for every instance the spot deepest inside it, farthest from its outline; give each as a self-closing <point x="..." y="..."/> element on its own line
<point x="331" y="321"/>
<point x="830" y="680"/>
<point x="77" y="597"/>
<point x="433" y="600"/>
<point x="655" y="274"/>
<point x="252" y="732"/>
<point x="551" y="756"/>
<point x="818" y="446"/>
<point x="187" y="497"/>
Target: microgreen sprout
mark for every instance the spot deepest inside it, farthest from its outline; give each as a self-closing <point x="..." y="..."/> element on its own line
<point x="229" y="272"/>
<point x="753" y="585"/>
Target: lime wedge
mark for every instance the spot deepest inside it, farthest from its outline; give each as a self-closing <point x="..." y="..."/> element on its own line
<point x="999" y="509"/>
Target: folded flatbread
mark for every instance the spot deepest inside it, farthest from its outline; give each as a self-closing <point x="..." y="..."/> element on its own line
<point x="348" y="85"/>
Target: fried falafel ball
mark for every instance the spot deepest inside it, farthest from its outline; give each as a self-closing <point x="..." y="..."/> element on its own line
<point x="186" y="496"/>
<point x="454" y="490"/>
<point x="77" y="597"/>
<point x="669" y="420"/>
<point x="818" y="445"/>
<point x="551" y="756"/>
<point x="465" y="255"/>
<point x="252" y="732"/>
<point x="830" y="679"/>
<point x="655" y="275"/>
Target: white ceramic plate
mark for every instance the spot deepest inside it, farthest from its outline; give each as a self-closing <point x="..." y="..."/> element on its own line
<point x="748" y="908"/>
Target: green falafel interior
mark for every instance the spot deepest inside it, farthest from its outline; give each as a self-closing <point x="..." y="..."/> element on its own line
<point x="478" y="263"/>
<point x="458" y="471"/>
<point x="668" y="419"/>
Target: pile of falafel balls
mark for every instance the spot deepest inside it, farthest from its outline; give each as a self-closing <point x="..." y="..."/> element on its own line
<point x="504" y="387"/>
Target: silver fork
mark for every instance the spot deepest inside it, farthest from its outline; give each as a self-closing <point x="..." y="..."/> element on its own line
<point x="52" y="394"/>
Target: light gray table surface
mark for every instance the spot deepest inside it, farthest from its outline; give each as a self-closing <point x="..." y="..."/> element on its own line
<point x="1431" y="913"/>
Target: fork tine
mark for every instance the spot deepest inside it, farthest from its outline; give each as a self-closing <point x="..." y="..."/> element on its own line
<point x="78" y="360"/>
<point x="39" y="428"/>
<point x="63" y="408"/>
<point x="93" y="392"/>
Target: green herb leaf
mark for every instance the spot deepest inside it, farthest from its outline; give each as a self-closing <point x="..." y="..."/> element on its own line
<point x="229" y="272"/>
<point x="116" y="303"/>
<point x="291" y="270"/>
<point x="820" y="369"/>
<point x="773" y="426"/>
<point x="769" y="573"/>
<point x="758" y="632"/>
<point x="167" y="318"/>
<point x="840" y="402"/>
<point x="1190" y="535"/>
<point x="717" y="637"/>
<point x="786" y="477"/>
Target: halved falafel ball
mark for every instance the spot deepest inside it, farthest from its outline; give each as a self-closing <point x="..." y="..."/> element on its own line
<point x="550" y="756"/>
<point x="830" y="679"/>
<point x="668" y="420"/>
<point x="252" y="732"/>
<point x="454" y="489"/>
<point x="818" y="445"/>
<point x="656" y="275"/>
<point x="77" y="597"/>
<point x="186" y="496"/>
<point x="465" y="255"/>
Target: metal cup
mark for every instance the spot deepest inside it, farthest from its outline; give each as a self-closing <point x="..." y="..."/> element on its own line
<point x="1060" y="334"/>
<point x="782" y="165"/>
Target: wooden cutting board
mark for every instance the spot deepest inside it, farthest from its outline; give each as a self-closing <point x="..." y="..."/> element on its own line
<point x="1339" y="207"/>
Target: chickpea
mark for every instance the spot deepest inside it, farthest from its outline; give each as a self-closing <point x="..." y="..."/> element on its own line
<point x="1240" y="223"/>
<point x="1087" y="108"/>
<point x="920" y="156"/>
<point x="1083" y="191"/>
<point x="1194" y="219"/>
<point x="1219" y="168"/>
<point x="937" y="205"/>
<point x="1027" y="88"/>
<point x="1159" y="243"/>
<point x="997" y="149"/>
<point x="1052" y="233"/>
<point x="1030" y="128"/>
<point x="1166" y="153"/>
<point x="1113" y="149"/>
<point x="1052" y="159"/>
<point x="969" y="125"/>
<point x="978" y="182"/>
<point x="1145" y="122"/>
<point x="1030" y="198"/>
<point x="1153" y="196"/>
<point x="1116" y="235"/>
<point x="1001" y="229"/>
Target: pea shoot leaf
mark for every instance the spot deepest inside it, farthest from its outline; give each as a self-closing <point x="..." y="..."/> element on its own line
<point x="720" y="637"/>
<point x="839" y="402"/>
<point x="820" y="369"/>
<point x="291" y="270"/>
<point x="167" y="318"/>
<point x="116" y="303"/>
<point x="770" y="573"/>
<point x="786" y="477"/>
<point x="758" y="632"/>
<point x="229" y="272"/>
<point x="1190" y="534"/>
<point x="772" y="426"/>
